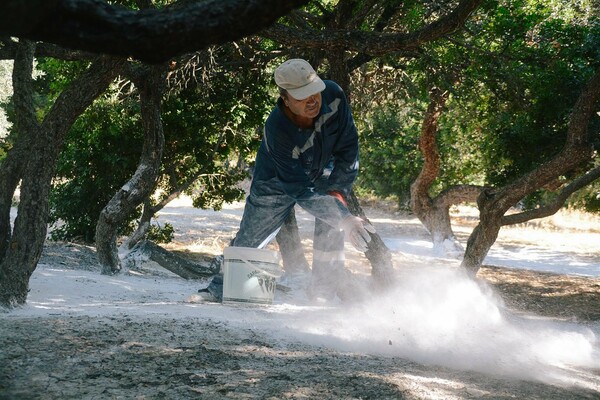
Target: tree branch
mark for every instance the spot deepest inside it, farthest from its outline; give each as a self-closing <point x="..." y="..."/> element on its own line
<point x="459" y="194"/>
<point x="557" y="203"/>
<point x="373" y="43"/>
<point x="152" y="35"/>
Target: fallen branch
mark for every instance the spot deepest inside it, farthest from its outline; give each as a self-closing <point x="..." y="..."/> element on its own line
<point x="148" y="251"/>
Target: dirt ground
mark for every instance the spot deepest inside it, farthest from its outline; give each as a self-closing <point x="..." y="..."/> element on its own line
<point x="84" y="357"/>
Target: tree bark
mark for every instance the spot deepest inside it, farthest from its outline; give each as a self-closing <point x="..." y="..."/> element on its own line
<point x="493" y="204"/>
<point x="43" y="147"/>
<point x="152" y="35"/>
<point x="25" y="128"/>
<point x="434" y="213"/>
<point x="14" y="279"/>
<point x="151" y="86"/>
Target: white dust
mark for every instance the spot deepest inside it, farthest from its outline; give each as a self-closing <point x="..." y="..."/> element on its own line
<point x="440" y="316"/>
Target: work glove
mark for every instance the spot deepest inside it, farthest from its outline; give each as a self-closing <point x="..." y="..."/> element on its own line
<point x="356" y="231"/>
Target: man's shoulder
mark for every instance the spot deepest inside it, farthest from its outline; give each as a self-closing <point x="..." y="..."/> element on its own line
<point x="334" y="94"/>
<point x="332" y="87"/>
<point x="276" y="118"/>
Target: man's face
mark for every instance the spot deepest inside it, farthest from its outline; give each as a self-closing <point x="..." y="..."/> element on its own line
<point x="307" y="108"/>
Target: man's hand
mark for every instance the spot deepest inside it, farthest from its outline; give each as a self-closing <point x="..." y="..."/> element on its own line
<point x="357" y="232"/>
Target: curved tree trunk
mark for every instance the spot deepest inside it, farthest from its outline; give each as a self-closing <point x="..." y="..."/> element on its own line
<point x="151" y="85"/>
<point x="43" y="144"/>
<point x="494" y="204"/>
<point x="434" y="216"/>
<point x="150" y="210"/>
<point x="434" y="213"/>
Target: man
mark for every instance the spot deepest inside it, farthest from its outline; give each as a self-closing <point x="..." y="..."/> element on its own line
<point x="308" y="156"/>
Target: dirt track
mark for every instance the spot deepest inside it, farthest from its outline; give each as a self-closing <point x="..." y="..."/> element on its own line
<point x="137" y="357"/>
<point x="123" y="358"/>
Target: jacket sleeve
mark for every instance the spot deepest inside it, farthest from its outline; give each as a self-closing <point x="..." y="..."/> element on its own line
<point x="345" y="151"/>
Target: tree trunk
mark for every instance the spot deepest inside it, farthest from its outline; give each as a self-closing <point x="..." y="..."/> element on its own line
<point x="435" y="217"/>
<point x="146" y="250"/>
<point x="483" y="236"/>
<point x="434" y="213"/>
<point x="43" y="145"/>
<point x="494" y="204"/>
<point x="143" y="226"/>
<point x="290" y="246"/>
<point x="24" y="130"/>
<point x="151" y="86"/>
<point x="15" y="273"/>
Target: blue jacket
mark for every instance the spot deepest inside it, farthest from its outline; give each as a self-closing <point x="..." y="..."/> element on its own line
<point x="305" y="164"/>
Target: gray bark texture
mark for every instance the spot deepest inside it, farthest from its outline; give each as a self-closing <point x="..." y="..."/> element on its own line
<point x="43" y="142"/>
<point x="11" y="168"/>
<point x="151" y="85"/>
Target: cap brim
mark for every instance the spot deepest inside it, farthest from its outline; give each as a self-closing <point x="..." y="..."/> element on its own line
<point x="316" y="86"/>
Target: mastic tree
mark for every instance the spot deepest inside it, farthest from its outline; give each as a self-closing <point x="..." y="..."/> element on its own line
<point x="30" y="162"/>
<point x="507" y="83"/>
<point x="534" y="59"/>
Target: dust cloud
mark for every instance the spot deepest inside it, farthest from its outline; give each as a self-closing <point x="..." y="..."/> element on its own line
<point x="442" y="317"/>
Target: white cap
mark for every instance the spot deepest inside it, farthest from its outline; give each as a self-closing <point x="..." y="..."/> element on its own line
<point x="298" y="78"/>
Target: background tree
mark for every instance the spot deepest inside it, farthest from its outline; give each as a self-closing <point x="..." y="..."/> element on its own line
<point x="150" y="82"/>
<point x="577" y="151"/>
<point x="503" y="75"/>
<point x="434" y="213"/>
<point x="31" y="162"/>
